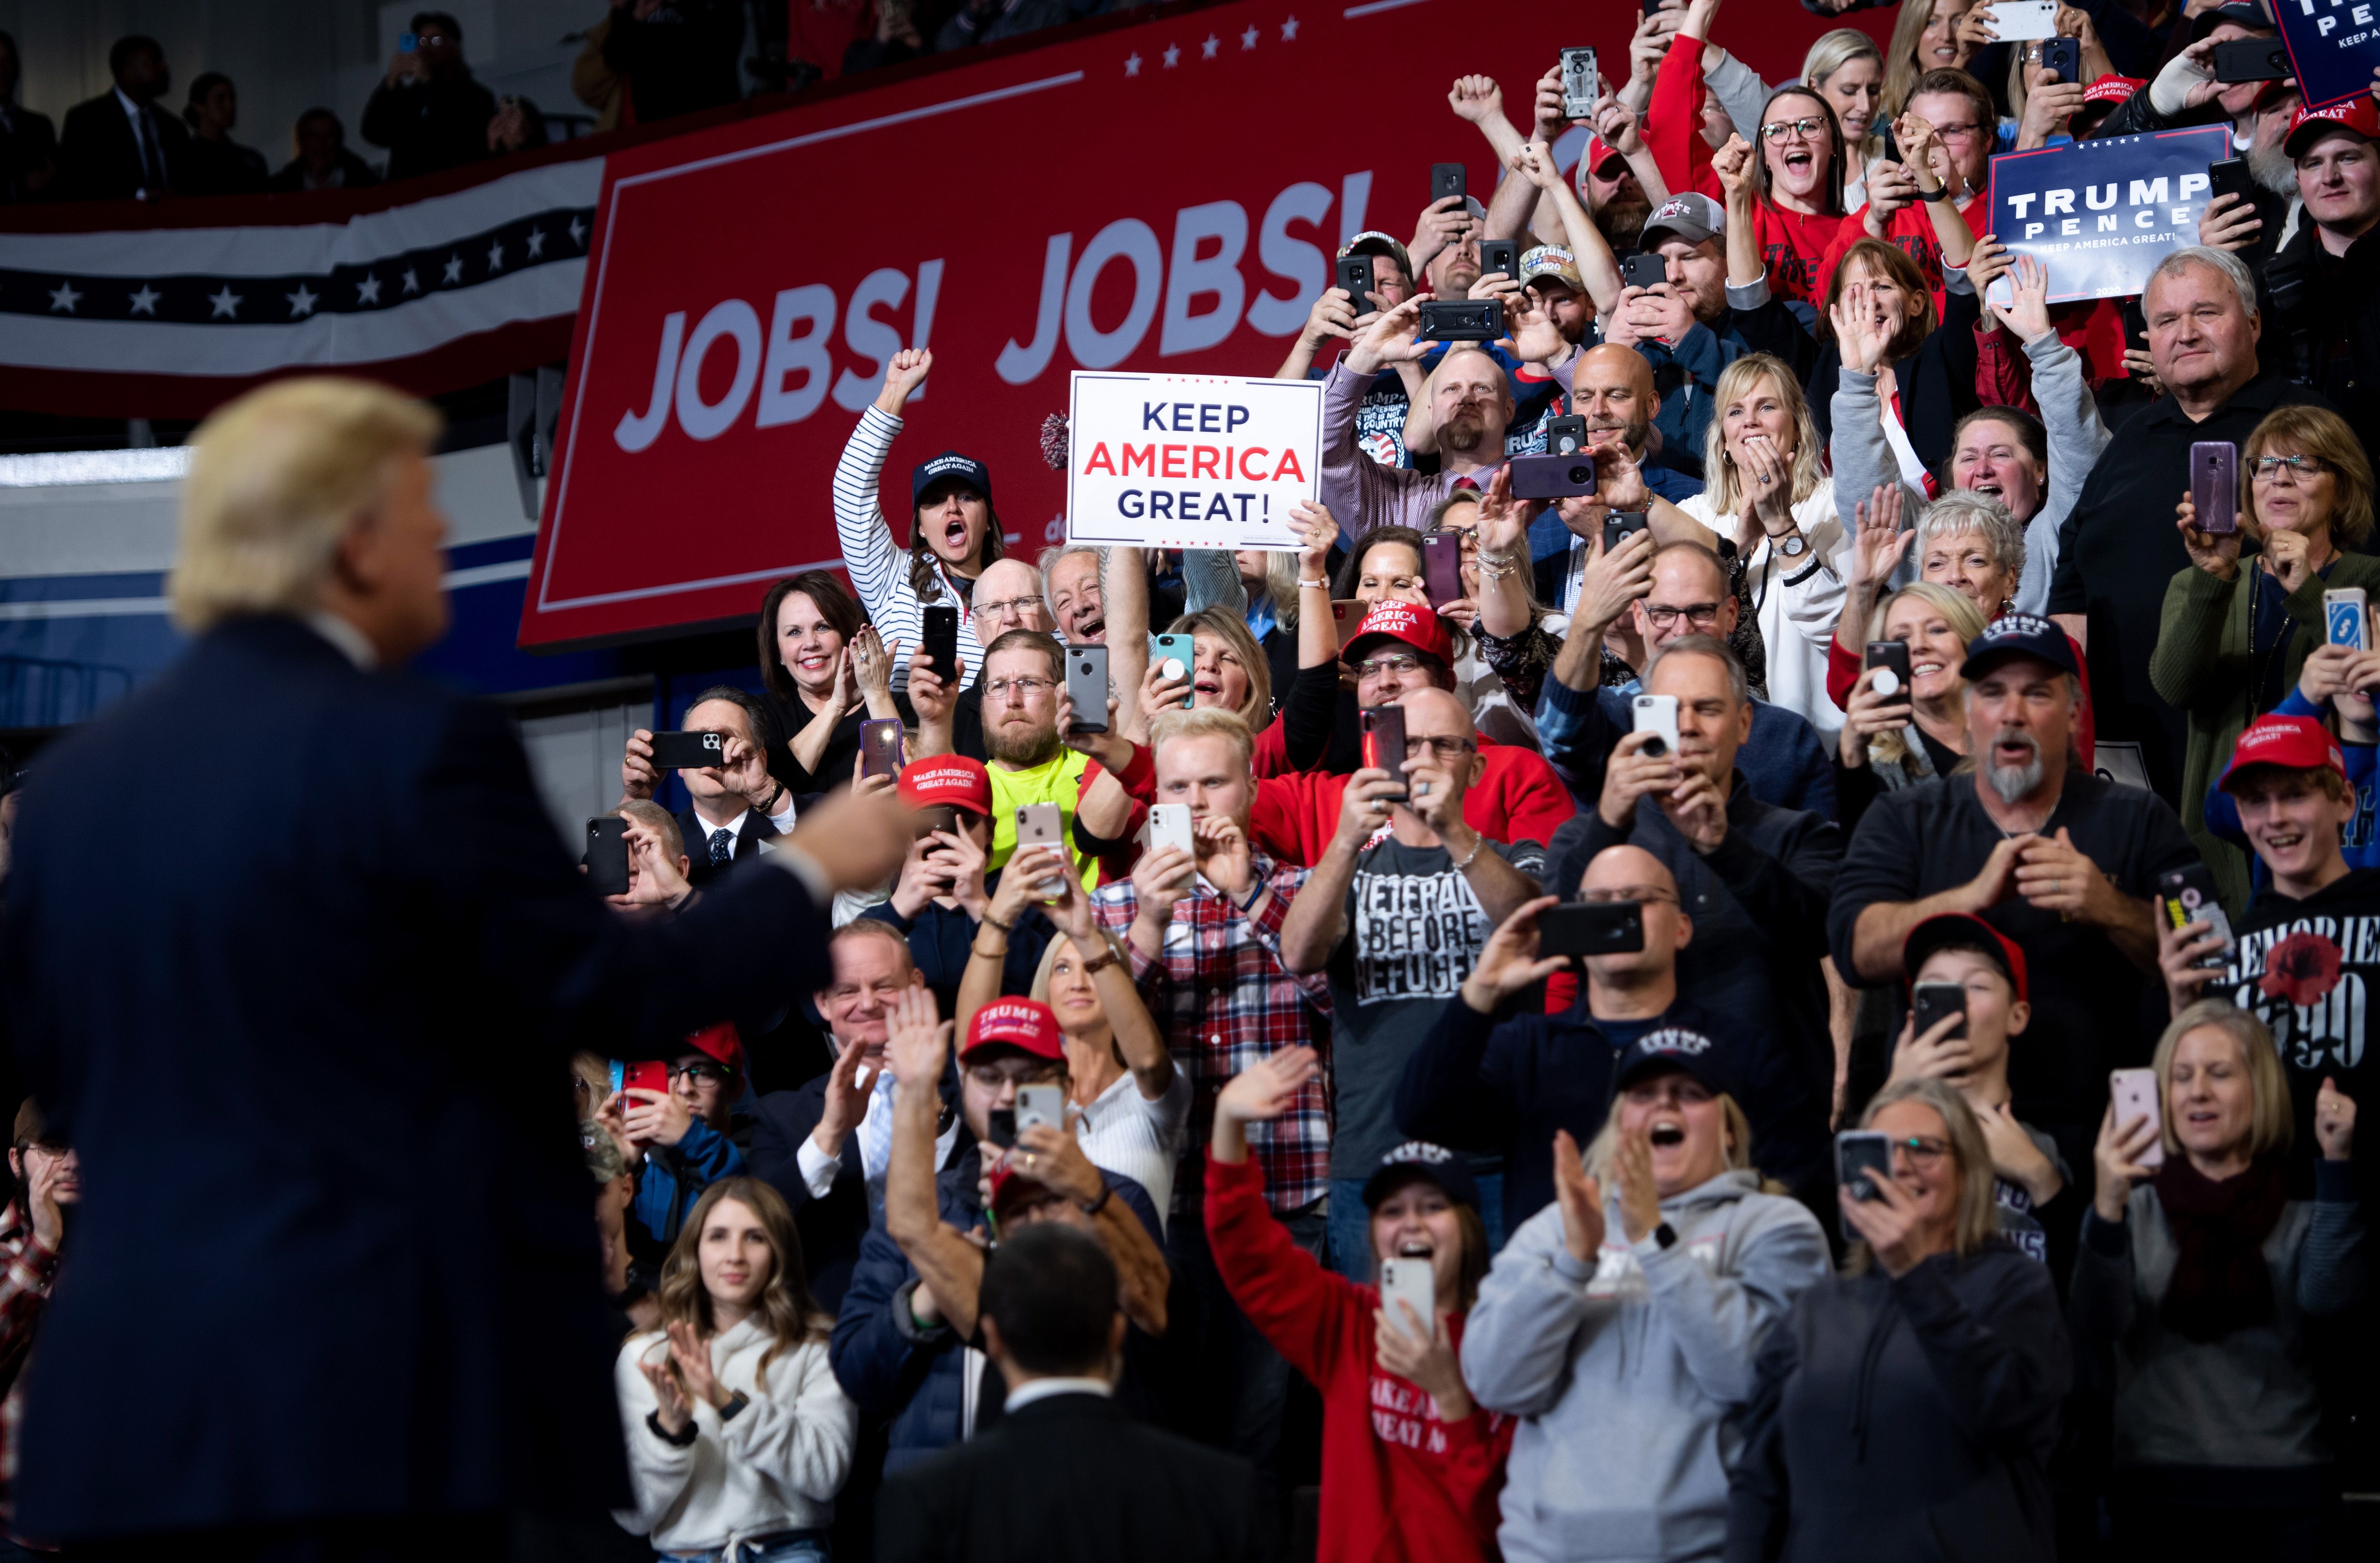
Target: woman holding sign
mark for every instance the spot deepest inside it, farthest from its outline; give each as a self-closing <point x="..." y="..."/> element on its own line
<point x="2234" y="636"/>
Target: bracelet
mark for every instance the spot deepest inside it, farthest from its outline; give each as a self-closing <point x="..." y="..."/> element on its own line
<point x="1254" y="895"/>
<point x="982" y="954"/>
<point x="1107" y="1191"/>
<point x="1478" y="844"/>
<point x="1938" y="192"/>
<point x="1005" y="928"/>
<point x="1100" y="962"/>
<point x="1314" y="586"/>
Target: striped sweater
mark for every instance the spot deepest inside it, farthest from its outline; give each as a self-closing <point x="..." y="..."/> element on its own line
<point x="879" y="565"/>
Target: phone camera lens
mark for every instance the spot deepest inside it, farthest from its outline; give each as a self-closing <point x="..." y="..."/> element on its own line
<point x="1581" y="474"/>
<point x="1655" y="747"/>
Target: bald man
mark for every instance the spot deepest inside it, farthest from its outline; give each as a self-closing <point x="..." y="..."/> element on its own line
<point x="1007" y="596"/>
<point x="1470" y="405"/>
<point x="1397" y="910"/>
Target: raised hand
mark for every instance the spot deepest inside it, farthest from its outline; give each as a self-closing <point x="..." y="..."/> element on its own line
<point x="1879" y="545"/>
<point x="675" y="1411"/>
<point x="917" y="1039"/>
<point x="2229" y="221"/>
<point x="1580" y="1198"/>
<point x="1864" y="333"/>
<point x="2178" y="952"/>
<point x="1508" y="962"/>
<point x="1732" y="164"/>
<point x="2028" y="309"/>
<point x="1334" y="314"/>
<point x="1393" y="338"/>
<point x="1611" y="581"/>
<point x="849" y="1085"/>
<point x="1158" y="880"/>
<point x="1503" y="520"/>
<point x="1318" y="533"/>
<point x="871" y="667"/>
<point x="2334" y="1121"/>
<point x="1269" y="1087"/>
<point x="1889" y="1224"/>
<point x="638" y="775"/>
<point x="1364" y="806"/>
<point x="1225" y="856"/>
<point x="2116" y="1161"/>
<point x="1869" y="713"/>
<point x="1629" y="775"/>
<point x="1936" y="1056"/>
<point x="1474" y="98"/>
<point x="691" y="1358"/>
<point x="903" y="376"/>
<point x="1640" y="1196"/>
<point x="2216" y="553"/>
<point x="1442" y="221"/>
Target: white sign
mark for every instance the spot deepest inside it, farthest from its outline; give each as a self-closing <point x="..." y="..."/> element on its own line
<point x="1190" y="460"/>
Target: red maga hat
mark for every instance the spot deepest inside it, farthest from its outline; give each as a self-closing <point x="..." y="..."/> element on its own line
<point x="1026" y="1024"/>
<point x="947" y="778"/>
<point x="1415" y="624"/>
<point x="2295" y="743"/>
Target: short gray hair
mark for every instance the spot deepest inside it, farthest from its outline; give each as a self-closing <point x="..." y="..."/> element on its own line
<point x="1049" y="558"/>
<point x="1964" y="510"/>
<point x="1738" y="684"/>
<point x="2234" y="269"/>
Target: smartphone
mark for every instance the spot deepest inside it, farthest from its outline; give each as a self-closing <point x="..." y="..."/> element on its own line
<point x="1177" y="655"/>
<point x="1552" y="477"/>
<point x="645" y="1074"/>
<point x="1460" y="320"/>
<point x="1620" y="525"/>
<point x="1347" y="613"/>
<point x="1409" y="1281"/>
<point x="1929" y="1003"/>
<point x="880" y="747"/>
<point x="2214" y="485"/>
<point x="1862" y="1155"/>
<point x="1087" y="685"/>
<point x="607" y="855"/>
<point x="2230" y="177"/>
<point x="1499" y="255"/>
<point x="1893" y="657"/>
<point x="1645" y="269"/>
<point x="1584" y="928"/>
<point x="1039" y="825"/>
<point x="689" y="752"/>
<point x="1441" y="565"/>
<point x="1169" y="825"/>
<point x="1445" y="179"/>
<point x="940" y="641"/>
<point x="2187" y="895"/>
<point x="407" y="42"/>
<point x="2063" y="55"/>
<point x="1566" y="436"/>
<point x="2251" y="59"/>
<point x="2135" y="1094"/>
<point x="999" y="1126"/>
<point x="1580" y="88"/>
<point x="2136" y="326"/>
<point x="1657" y="714"/>
<point x="2345" y="620"/>
<point x="2016" y="21"/>
<point x="1042" y="1105"/>
<point x="1383" y="730"/>
<point x="1356" y="275"/>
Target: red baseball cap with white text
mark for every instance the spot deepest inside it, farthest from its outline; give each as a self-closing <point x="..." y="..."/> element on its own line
<point x="1026" y="1024"/>
<point x="2294" y="743"/>
<point x="2359" y="114"/>
<point x="947" y="778"/>
<point x="1415" y="624"/>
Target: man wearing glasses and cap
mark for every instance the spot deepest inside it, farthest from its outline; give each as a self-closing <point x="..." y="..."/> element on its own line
<point x="1381" y="416"/>
<point x="678" y="1141"/>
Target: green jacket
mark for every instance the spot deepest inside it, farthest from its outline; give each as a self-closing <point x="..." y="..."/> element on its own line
<point x="2201" y="666"/>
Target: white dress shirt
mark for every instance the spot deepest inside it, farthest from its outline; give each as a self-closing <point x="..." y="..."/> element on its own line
<point x="1124" y="1132"/>
<point x="875" y="1133"/>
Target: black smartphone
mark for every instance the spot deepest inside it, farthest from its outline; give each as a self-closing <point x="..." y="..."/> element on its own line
<point x="1445" y="179"/>
<point x="2063" y="55"/>
<point x="607" y="855"/>
<point x="689" y="752"/>
<point x="2251" y="59"/>
<point x="2230" y="177"/>
<point x="2188" y="895"/>
<point x="1892" y="657"/>
<point x="1460" y="320"/>
<point x="2136" y="326"/>
<point x="1932" y="1002"/>
<point x="1087" y="685"/>
<point x="940" y="641"/>
<point x="1620" y="525"/>
<point x="1645" y="269"/>
<point x="1565" y="436"/>
<point x="2215" y="486"/>
<point x="1383" y="738"/>
<point x="1862" y="1155"/>
<point x="1441" y="567"/>
<point x="1552" y="477"/>
<point x="1357" y="276"/>
<point x="880" y="747"/>
<point x="999" y="1126"/>
<point x="1584" y="928"/>
<point x="1499" y="255"/>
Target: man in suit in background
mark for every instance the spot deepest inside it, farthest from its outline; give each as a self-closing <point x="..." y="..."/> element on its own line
<point x="122" y="145"/>
<point x="735" y="805"/>
<point x="1064" y="1475"/>
<point x="309" y="1039"/>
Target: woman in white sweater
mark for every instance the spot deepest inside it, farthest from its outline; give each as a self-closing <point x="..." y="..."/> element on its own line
<point x="739" y="1435"/>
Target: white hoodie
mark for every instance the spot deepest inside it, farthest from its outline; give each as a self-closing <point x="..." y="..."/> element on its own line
<point x="775" y="1465"/>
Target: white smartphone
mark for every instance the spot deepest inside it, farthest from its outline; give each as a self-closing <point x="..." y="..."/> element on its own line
<point x="1409" y="1280"/>
<point x="1040" y="1104"/>
<point x="1040" y="824"/>
<point x="2023" y="21"/>
<point x="1169" y="825"/>
<point x="1658" y="714"/>
<point x="2134" y="1092"/>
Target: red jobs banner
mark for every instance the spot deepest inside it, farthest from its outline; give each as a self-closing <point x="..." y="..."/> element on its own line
<point x="1164" y="196"/>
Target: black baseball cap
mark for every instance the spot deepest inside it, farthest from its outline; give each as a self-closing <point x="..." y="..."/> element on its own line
<point x="1419" y="1158"/>
<point x="2019" y="634"/>
<point x="2243" y="13"/>
<point x="950" y="464"/>
<point x="1667" y="1048"/>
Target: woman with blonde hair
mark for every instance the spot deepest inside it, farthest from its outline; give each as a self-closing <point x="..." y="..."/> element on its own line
<point x="1927" y="36"/>
<point x="1847" y="69"/>
<point x="2200" y="1275"/>
<point x="2234" y="635"/>
<point x="1900" y="737"/>
<point x="1128" y="1104"/>
<point x="1906" y="1409"/>
<point x="739" y="1435"/>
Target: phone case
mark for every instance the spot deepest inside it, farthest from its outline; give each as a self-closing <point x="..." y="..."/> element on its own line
<point x="689" y="752"/>
<point x="1087" y="685"/>
<point x="1552" y="477"/>
<point x="1042" y="1105"/>
<point x="1565" y="436"/>
<point x="1383" y="728"/>
<point x="1657" y="714"/>
<point x="1182" y="648"/>
<point x="2346" y="619"/>
<point x="1929" y="1002"/>
<point x="2214" y="485"/>
<point x="1408" y="1281"/>
<point x="1584" y="928"/>
<point x="1499" y="255"/>
<point x="1645" y="269"/>
<point x="607" y="855"/>
<point x="2187" y="895"/>
<point x="1578" y="83"/>
<point x="940" y="640"/>
<point x="2135" y="1094"/>
<point x="645" y="1074"/>
<point x="1445" y="179"/>
<point x="1038" y="825"/>
<point x="1169" y="825"/>
<point x="880" y="747"/>
<point x="1441" y="558"/>
<point x="1860" y="1154"/>
<point x="2063" y="55"/>
<point x="2025" y="22"/>
<point x="1356" y="275"/>
<point x="1893" y="657"/>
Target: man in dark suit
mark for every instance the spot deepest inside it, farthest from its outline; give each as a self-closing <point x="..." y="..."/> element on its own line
<point x="736" y="805"/>
<point x="122" y="145"/>
<point x="309" y="1041"/>
<point x="1064" y="1474"/>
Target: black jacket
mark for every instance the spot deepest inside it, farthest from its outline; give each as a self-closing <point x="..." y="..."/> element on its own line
<point x="311" y="1057"/>
<point x="100" y="160"/>
<point x="28" y="148"/>
<point x="1906" y="1420"/>
<point x="355" y="174"/>
<point x="223" y="168"/>
<point x="2322" y="322"/>
<point x="701" y="870"/>
<point x="679" y="59"/>
<point x="430" y="126"/>
<point x="1071" y="1479"/>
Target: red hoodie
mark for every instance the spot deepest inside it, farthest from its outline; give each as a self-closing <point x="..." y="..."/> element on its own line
<point x="1397" y="1482"/>
<point x="1518" y="797"/>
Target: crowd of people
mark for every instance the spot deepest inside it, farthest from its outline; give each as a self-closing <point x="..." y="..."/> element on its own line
<point x="1840" y="1035"/>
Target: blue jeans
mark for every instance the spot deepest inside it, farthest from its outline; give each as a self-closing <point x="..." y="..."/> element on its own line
<point x="1351" y="1224"/>
<point x="809" y="1546"/>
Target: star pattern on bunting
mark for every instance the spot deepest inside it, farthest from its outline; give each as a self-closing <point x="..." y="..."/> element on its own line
<point x="145" y="301"/>
<point x="64" y="296"/>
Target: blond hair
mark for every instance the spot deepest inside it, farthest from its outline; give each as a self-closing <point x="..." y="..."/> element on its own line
<point x="2324" y="434"/>
<point x="1829" y="54"/>
<point x="276" y="478"/>
<point x="1966" y="620"/>
<point x="2271" y="1125"/>
<point x="1223" y="625"/>
<point x="1736" y="380"/>
<point x="1599" y="1150"/>
<point x="1978" y="1213"/>
<point x="1206" y="722"/>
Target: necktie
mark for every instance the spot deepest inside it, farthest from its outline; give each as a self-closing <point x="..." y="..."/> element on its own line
<point x="723" y="845"/>
<point x="1466" y="485"/>
<point x="152" y="176"/>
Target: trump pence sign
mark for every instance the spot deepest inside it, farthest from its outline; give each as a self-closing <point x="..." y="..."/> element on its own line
<point x="2100" y="215"/>
<point x="1190" y="461"/>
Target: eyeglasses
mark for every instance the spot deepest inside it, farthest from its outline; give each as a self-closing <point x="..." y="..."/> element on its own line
<point x="1621" y="896"/>
<point x="1958" y="132"/>
<point x="1015" y="607"/>
<point x="1806" y="129"/>
<point x="1445" y="748"/>
<point x="2267" y="468"/>
<point x="1696" y="614"/>
<point x="1397" y="664"/>
<point x="1922" y="1150"/>
<point x="1022" y="688"/>
<point x="700" y="1070"/>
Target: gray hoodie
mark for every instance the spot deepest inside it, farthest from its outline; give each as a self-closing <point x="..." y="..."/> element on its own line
<point x="1627" y="1374"/>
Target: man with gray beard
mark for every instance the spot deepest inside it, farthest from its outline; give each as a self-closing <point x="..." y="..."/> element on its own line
<point x="2060" y="861"/>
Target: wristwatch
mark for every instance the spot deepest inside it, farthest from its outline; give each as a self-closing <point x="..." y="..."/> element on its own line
<point x="1665" y="1236"/>
<point x="1790" y="545"/>
<point x="1939" y="192"/>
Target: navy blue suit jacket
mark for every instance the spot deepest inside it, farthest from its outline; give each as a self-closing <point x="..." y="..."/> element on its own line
<point x="310" y="1030"/>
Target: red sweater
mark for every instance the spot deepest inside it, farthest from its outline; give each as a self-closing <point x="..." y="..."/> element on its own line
<point x="1517" y="799"/>
<point x="1843" y="671"/>
<point x="1397" y="1482"/>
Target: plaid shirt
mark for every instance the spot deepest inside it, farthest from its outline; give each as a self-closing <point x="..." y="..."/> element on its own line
<point x="25" y="1271"/>
<point x="1224" y="1000"/>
